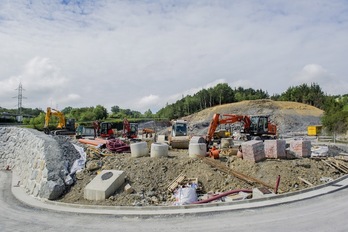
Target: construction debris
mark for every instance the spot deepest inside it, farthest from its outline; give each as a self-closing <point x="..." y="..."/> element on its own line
<point x="117" y="145"/>
<point x="229" y="171"/>
<point x="262" y="192"/>
<point x="319" y="151"/>
<point x="128" y="189"/>
<point x="174" y="184"/>
<point x="305" y="181"/>
<point x="337" y="164"/>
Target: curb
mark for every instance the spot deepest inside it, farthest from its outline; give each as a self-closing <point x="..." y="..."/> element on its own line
<point x="141" y="211"/>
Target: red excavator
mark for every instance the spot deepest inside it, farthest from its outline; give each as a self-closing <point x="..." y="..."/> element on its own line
<point x="103" y="129"/>
<point x="254" y="127"/>
<point x="130" y="130"/>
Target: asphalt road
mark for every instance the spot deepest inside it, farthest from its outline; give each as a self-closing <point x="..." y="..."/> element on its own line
<point x="323" y="213"/>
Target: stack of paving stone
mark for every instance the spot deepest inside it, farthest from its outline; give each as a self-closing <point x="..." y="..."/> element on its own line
<point x="253" y="151"/>
<point x="301" y="148"/>
<point x="275" y="149"/>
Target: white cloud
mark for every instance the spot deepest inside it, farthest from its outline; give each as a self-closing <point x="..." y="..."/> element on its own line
<point x="315" y="73"/>
<point x="143" y="54"/>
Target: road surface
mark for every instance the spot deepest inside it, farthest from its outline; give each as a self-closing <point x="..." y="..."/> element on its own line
<point x="324" y="213"/>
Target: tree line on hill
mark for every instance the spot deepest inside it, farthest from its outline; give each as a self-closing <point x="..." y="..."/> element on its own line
<point x="335" y="107"/>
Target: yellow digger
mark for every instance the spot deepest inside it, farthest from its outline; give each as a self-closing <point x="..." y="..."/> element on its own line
<point x="64" y="126"/>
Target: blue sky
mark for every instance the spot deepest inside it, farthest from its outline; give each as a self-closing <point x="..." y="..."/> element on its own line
<point x="143" y="54"/>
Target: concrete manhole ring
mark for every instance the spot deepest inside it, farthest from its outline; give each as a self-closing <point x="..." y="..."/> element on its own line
<point x="107" y="175"/>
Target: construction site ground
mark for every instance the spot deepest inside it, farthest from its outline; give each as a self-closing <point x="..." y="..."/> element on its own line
<point x="150" y="177"/>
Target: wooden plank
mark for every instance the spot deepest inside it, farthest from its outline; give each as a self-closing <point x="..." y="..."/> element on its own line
<point x="327" y="163"/>
<point x="305" y="181"/>
<point x="334" y="165"/>
<point x="342" y="166"/>
<point x="217" y="164"/>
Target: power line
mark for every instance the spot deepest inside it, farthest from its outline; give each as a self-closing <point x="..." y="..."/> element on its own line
<point x="20" y="99"/>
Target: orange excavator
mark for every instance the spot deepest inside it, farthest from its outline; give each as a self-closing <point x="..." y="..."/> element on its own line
<point x="254" y="127"/>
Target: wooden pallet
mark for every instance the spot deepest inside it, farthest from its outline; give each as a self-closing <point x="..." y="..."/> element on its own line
<point x="337" y="164"/>
<point x="174" y="184"/>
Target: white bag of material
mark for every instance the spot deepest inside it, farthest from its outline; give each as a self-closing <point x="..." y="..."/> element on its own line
<point x="81" y="151"/>
<point x="79" y="163"/>
<point x="319" y="151"/>
<point x="185" y="196"/>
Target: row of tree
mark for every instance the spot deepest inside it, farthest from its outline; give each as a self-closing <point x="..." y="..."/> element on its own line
<point x="335" y="107"/>
<point x="220" y="94"/>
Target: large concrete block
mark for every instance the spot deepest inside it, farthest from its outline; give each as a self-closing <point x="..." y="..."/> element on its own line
<point x="253" y="151"/>
<point x="104" y="185"/>
<point x="301" y="148"/>
<point x="275" y="149"/>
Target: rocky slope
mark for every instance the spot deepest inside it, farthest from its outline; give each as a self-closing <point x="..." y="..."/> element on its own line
<point x="289" y="117"/>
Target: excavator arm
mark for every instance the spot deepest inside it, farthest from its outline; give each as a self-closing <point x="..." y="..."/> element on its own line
<point x="226" y="119"/>
<point x="257" y="125"/>
<point x="52" y="112"/>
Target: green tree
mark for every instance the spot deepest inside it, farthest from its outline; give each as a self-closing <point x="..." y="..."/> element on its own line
<point x="335" y="117"/>
<point x="88" y="116"/>
<point x="223" y="94"/>
<point x="115" y="109"/>
<point x="148" y="114"/>
<point x="100" y="112"/>
<point x="38" y="122"/>
<point x="67" y="110"/>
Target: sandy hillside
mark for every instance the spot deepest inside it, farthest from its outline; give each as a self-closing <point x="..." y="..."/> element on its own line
<point x="290" y="117"/>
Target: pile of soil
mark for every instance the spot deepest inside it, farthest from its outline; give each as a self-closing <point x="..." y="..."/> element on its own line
<point x="150" y="177"/>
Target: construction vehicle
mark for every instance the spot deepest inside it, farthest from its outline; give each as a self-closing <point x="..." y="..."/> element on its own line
<point x="103" y="129"/>
<point x="148" y="132"/>
<point x="130" y="130"/>
<point x="64" y="127"/>
<point x="179" y="137"/>
<point x="253" y="127"/>
<point x="314" y="130"/>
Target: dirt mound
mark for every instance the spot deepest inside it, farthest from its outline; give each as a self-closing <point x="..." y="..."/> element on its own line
<point x="289" y="117"/>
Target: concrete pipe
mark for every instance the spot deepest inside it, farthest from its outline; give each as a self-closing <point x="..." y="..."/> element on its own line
<point x="139" y="149"/>
<point x="197" y="149"/>
<point x="159" y="150"/>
